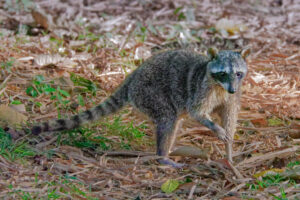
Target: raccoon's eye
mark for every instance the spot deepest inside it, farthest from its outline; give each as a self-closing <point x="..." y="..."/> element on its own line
<point x="239" y="74"/>
<point x="222" y="74"/>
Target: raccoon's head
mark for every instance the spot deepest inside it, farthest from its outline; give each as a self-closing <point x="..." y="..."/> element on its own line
<point x="228" y="68"/>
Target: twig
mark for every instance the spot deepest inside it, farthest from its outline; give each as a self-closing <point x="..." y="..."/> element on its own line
<point x="235" y="171"/>
<point x="128" y="153"/>
<point x="127" y="38"/>
<point x="44" y="144"/>
<point x="218" y="149"/>
<point x="2" y="86"/>
<point x="193" y="190"/>
<point x="258" y="160"/>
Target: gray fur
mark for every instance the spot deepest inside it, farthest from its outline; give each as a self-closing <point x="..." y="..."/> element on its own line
<point x="169" y="83"/>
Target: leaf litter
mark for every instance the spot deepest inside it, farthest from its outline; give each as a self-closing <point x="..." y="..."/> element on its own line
<point x="103" y="42"/>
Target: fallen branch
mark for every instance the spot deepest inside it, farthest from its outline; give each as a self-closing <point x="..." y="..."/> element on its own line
<point x="259" y="160"/>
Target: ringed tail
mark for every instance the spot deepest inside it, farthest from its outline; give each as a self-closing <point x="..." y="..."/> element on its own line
<point x="112" y="104"/>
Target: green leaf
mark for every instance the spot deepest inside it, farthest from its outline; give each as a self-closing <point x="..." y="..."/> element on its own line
<point x="49" y="90"/>
<point x="31" y="91"/>
<point x="292" y="164"/>
<point x="16" y="102"/>
<point x="169" y="186"/>
<point x="38" y="104"/>
<point x="181" y="16"/>
<point x="80" y="100"/>
<point x="274" y="121"/>
<point x="80" y="81"/>
<point x="63" y="92"/>
<point x="177" y="10"/>
<point x="53" y="97"/>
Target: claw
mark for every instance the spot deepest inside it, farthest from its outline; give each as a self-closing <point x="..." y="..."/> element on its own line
<point x="167" y="161"/>
<point x="222" y="135"/>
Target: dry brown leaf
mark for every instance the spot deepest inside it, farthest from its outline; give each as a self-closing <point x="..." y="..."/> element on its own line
<point x="20" y="108"/>
<point x="294" y="133"/>
<point x="43" y="60"/>
<point x="189" y="151"/>
<point x="260" y="122"/>
<point x="11" y="117"/>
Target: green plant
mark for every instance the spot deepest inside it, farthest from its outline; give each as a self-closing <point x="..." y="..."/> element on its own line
<point x="127" y="131"/>
<point x="180" y="15"/>
<point x="86" y="86"/>
<point x="8" y="64"/>
<point x="40" y="86"/>
<point x="282" y="195"/>
<point x="293" y="163"/>
<point x="57" y="189"/>
<point x="69" y="185"/>
<point x="11" y="150"/>
<point x="141" y="32"/>
<point x="85" y="138"/>
<point x="267" y="181"/>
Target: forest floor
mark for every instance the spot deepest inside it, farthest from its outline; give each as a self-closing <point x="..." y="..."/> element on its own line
<point x="58" y="58"/>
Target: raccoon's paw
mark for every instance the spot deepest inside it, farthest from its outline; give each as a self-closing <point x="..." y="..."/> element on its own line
<point x="167" y="161"/>
<point x="222" y="135"/>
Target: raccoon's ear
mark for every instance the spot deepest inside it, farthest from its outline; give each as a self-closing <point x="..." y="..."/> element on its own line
<point x="212" y="52"/>
<point x="245" y="52"/>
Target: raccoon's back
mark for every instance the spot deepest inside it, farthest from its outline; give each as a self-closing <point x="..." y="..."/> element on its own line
<point x="168" y="73"/>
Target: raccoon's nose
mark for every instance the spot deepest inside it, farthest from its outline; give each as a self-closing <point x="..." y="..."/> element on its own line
<point x="231" y="90"/>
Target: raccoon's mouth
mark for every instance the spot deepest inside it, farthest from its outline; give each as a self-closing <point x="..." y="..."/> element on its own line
<point x="229" y="88"/>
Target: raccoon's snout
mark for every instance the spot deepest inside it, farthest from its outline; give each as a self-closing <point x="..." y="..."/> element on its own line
<point x="231" y="90"/>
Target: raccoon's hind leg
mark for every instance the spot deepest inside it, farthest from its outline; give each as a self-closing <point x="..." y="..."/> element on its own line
<point x="165" y="138"/>
<point x="164" y="116"/>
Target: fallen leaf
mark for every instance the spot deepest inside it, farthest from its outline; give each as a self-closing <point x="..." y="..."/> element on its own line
<point x="43" y="60"/>
<point x="268" y="172"/>
<point x="189" y="151"/>
<point x="294" y="133"/>
<point x="231" y="198"/>
<point x="10" y="116"/>
<point x="259" y="122"/>
<point x="169" y="186"/>
<point x="19" y="107"/>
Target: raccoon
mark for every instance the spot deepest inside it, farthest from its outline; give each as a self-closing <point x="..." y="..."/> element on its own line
<point x="170" y="83"/>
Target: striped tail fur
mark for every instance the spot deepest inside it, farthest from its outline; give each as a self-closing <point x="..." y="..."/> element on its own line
<point x="113" y="103"/>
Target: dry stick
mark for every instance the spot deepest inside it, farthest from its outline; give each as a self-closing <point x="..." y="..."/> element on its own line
<point x="235" y="171"/>
<point x="3" y="84"/>
<point x="218" y="149"/>
<point x="193" y="190"/>
<point x="127" y="153"/>
<point x="296" y="141"/>
<point x="243" y="152"/>
<point x="127" y="38"/>
<point x="256" y="144"/>
<point x="44" y="144"/>
<point x="261" y="129"/>
<point x="258" y="160"/>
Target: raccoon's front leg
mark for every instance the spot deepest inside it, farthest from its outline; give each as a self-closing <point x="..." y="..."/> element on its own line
<point x="217" y="129"/>
<point x="229" y="120"/>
